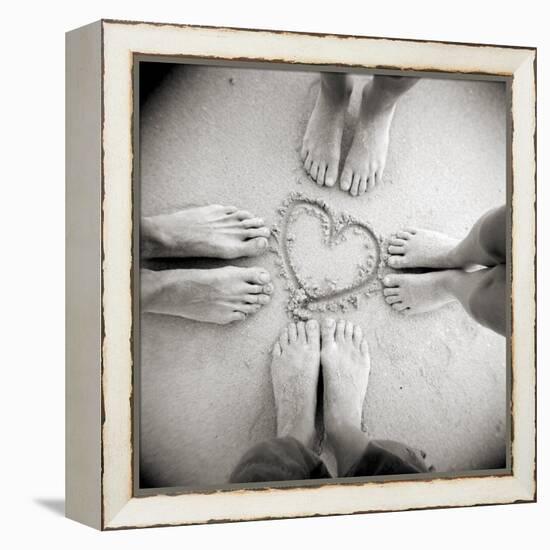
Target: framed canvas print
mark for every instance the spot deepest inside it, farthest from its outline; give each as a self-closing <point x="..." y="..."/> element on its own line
<point x="300" y="274"/>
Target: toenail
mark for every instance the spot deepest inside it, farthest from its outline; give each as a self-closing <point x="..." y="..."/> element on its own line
<point x="262" y="243"/>
<point x="312" y="323"/>
<point x="330" y="322"/>
<point x="264" y="277"/>
<point x="387" y="281"/>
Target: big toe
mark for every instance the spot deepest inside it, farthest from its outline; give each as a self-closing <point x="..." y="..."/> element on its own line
<point x="312" y="332"/>
<point x="391" y="280"/>
<point x="257" y="275"/>
<point x="328" y="328"/>
<point x="397" y="261"/>
<point x="331" y="173"/>
<point x="346" y="178"/>
<point x="254" y="247"/>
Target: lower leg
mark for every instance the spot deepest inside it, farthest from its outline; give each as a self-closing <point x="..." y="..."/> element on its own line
<point x="485" y="244"/>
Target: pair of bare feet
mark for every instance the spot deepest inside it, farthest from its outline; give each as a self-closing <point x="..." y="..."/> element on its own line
<point x="340" y="350"/>
<point x="365" y="163"/>
<point x="221" y="295"/>
<point x="411" y="293"/>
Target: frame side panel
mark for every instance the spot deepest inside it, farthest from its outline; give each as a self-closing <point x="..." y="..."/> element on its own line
<point x="83" y="328"/>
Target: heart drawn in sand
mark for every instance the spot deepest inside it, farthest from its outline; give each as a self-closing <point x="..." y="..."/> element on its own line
<point x="327" y="260"/>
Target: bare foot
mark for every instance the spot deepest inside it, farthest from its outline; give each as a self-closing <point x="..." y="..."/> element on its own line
<point x="223" y="295"/>
<point x="321" y="145"/>
<point x="212" y="231"/>
<point x="295" y="373"/>
<point x="422" y="248"/>
<point x="420" y="293"/>
<point x="346" y="365"/>
<point x="366" y="159"/>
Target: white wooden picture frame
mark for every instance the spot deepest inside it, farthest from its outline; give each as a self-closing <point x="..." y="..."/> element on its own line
<point x="99" y="365"/>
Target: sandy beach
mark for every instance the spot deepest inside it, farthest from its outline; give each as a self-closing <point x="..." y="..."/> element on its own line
<point x="232" y="136"/>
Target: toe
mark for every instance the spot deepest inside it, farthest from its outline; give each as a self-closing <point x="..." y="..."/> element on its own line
<point x="391" y="291"/>
<point x="340" y="330"/>
<point x="355" y="185"/>
<point x="292" y="333"/>
<point x="283" y="338"/>
<point x="398" y="306"/>
<point x="254" y="289"/>
<point x="236" y="316"/>
<point x="392" y="249"/>
<point x="312" y="331"/>
<point x="308" y="161"/>
<point x="348" y="331"/>
<point x="249" y="309"/>
<point x="346" y="179"/>
<point x="321" y="173"/>
<point x="230" y="209"/>
<point x="362" y="185"/>
<point x="301" y="330"/>
<point x="378" y="177"/>
<point x="261" y="299"/>
<point x="258" y="276"/>
<point x="396" y="261"/>
<point x="304" y="152"/>
<point x="254" y="247"/>
<point x="243" y="215"/>
<point x="277" y="351"/>
<point x="253" y="232"/>
<point x="357" y="335"/>
<point x="411" y="230"/>
<point x="314" y="169"/>
<point x="327" y="329"/>
<point x="264" y="299"/>
<point x="398" y="242"/>
<point x="252" y="222"/>
<point x="267" y="289"/>
<point x="391" y="280"/>
<point x="331" y="174"/>
<point x="395" y="299"/>
<point x="371" y="183"/>
<point x="364" y="347"/>
<point x="405" y="235"/>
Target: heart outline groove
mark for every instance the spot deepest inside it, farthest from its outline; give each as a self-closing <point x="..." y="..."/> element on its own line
<point x="305" y="299"/>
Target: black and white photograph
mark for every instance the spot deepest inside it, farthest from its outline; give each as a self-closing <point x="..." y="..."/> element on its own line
<point x="323" y="282"/>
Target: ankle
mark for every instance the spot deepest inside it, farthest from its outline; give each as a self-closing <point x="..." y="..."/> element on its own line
<point x="153" y="240"/>
<point x="347" y="442"/>
<point x="303" y="434"/>
<point x="453" y="258"/>
<point x="377" y="99"/>
<point x="336" y="428"/>
<point x="450" y="280"/>
<point x="335" y="93"/>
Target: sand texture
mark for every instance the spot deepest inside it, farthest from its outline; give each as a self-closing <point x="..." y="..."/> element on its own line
<point x="232" y="136"/>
